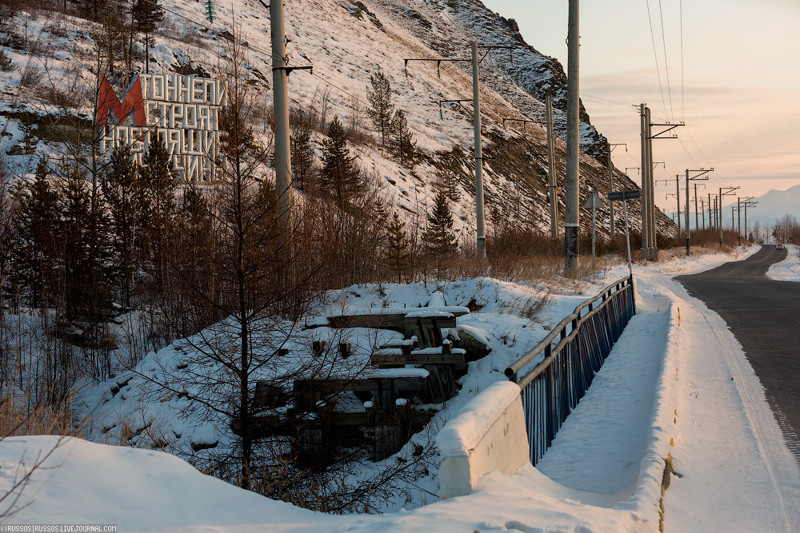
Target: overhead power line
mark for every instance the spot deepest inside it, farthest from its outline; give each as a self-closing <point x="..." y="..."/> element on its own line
<point x="666" y="63"/>
<point x="655" y="56"/>
<point x="683" y="85"/>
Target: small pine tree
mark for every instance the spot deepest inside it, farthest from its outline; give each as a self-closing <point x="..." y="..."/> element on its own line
<point x="147" y="14"/>
<point x="403" y="145"/>
<point x="29" y="138"/>
<point x="446" y="178"/>
<point x="35" y="236"/>
<point x="119" y="191"/>
<point x="339" y="177"/>
<point x="397" y="246"/>
<point x="439" y="236"/>
<point x="381" y="110"/>
<point x="74" y="236"/>
<point x="157" y="197"/>
<point x="303" y="167"/>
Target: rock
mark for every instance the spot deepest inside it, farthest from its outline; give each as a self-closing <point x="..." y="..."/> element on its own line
<point x="471" y="342"/>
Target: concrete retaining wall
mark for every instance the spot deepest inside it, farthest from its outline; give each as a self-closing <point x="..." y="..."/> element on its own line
<point x="488" y="435"/>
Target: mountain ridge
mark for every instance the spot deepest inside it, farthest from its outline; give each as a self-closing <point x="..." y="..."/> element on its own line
<point x="346" y="41"/>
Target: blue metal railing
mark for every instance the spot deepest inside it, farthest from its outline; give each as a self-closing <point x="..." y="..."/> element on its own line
<point x="572" y="354"/>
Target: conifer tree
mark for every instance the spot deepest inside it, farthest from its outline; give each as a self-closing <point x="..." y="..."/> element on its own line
<point x="119" y="190"/>
<point x="339" y="177"/>
<point x="439" y="236"/>
<point x="74" y="236"/>
<point x="35" y="236"/>
<point x="7" y="208"/>
<point x="303" y="168"/>
<point x="157" y="197"/>
<point x="397" y="246"/>
<point x="84" y="243"/>
<point x="381" y="110"/>
<point x="403" y="145"/>
<point x="446" y="178"/>
<point x="147" y="14"/>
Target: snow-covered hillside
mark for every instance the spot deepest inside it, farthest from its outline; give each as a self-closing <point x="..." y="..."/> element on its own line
<point x="663" y="392"/>
<point x="54" y="72"/>
<point x="174" y="399"/>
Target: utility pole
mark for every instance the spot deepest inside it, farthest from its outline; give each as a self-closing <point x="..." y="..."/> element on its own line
<point x="710" y="223"/>
<point x="696" y="215"/>
<point x="480" y="225"/>
<point x="280" y="81"/>
<point x="677" y="195"/>
<point x="572" y="189"/>
<point x="645" y="134"/>
<point x="610" y="148"/>
<point x="723" y="191"/>
<point x="703" y="213"/>
<point x="593" y="202"/>
<point x="748" y="203"/>
<point x="700" y="172"/>
<point x="739" y="219"/>
<point x="678" y="201"/>
<point x="649" y="243"/>
<point x="476" y="105"/>
<point x="742" y="202"/>
<point x="551" y="174"/>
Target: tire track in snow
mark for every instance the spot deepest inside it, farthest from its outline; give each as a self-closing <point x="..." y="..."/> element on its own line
<point x="729" y="346"/>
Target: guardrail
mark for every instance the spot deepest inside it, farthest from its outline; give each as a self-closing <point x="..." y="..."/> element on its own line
<point x="570" y="360"/>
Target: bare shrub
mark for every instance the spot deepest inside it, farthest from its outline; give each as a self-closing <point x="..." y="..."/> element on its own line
<point x="6" y="65"/>
<point x="31" y="77"/>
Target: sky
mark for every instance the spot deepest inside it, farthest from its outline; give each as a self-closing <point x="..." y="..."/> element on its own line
<point x="730" y="69"/>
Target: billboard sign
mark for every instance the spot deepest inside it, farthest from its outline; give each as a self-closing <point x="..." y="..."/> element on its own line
<point x="182" y="110"/>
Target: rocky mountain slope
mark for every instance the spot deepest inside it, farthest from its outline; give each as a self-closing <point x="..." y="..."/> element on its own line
<point x="54" y="70"/>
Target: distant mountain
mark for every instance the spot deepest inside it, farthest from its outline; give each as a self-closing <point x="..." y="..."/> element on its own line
<point x="775" y="204"/>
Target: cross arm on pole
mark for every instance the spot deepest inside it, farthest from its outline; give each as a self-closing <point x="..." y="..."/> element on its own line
<point x="458" y="102"/>
<point x="437" y="60"/>
<point x="614" y="145"/>
<point x="489" y="48"/>
<point x="632" y="168"/>
<point x="669" y="127"/>
<point x="700" y="171"/>
<point x="289" y="70"/>
<point x="523" y="121"/>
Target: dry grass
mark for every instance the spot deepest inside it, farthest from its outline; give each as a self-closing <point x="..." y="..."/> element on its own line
<point x="19" y="417"/>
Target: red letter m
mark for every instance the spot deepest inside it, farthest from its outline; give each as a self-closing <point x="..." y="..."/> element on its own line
<point x="132" y="101"/>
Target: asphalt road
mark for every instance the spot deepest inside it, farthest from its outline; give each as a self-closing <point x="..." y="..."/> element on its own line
<point x="764" y="316"/>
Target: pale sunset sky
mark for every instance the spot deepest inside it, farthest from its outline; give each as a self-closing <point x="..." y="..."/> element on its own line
<point x="737" y="90"/>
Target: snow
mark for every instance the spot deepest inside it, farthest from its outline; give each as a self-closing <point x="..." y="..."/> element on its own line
<point x="789" y="268"/>
<point x="595" y="439"/>
<point x="677" y="384"/>
<point x="387" y="373"/>
<point x="429" y="313"/>
<point x="463" y="433"/>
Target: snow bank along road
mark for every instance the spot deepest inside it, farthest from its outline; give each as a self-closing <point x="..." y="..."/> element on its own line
<point x="737" y="471"/>
<point x="764" y="316"/>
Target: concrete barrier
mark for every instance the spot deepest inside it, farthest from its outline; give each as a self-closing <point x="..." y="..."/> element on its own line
<point x="488" y="435"/>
